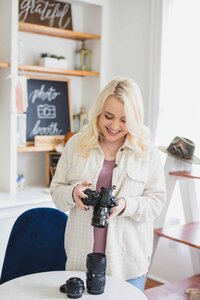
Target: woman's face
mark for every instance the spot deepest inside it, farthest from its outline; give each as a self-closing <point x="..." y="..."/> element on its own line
<point x="112" y="120"/>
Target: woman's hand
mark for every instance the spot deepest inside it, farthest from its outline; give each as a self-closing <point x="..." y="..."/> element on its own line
<point x="116" y="210"/>
<point x="78" y="193"/>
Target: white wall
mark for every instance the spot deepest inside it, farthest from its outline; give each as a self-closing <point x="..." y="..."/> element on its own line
<point x="7" y="121"/>
<point x="133" y="42"/>
<point x="129" y="41"/>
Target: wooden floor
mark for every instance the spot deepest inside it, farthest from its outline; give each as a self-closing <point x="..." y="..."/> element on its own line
<point x="151" y="283"/>
<point x="173" y="290"/>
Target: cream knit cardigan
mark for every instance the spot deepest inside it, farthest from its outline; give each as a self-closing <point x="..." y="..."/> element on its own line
<point x="130" y="236"/>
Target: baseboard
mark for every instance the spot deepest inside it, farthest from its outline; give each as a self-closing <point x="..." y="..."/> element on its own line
<point x="156" y="278"/>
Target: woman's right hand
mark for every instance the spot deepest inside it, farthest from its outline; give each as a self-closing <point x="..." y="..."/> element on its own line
<point x="78" y="193"/>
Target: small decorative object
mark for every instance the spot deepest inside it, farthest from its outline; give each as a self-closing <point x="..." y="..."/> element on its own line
<point x="83" y="117"/>
<point x="53" y="61"/>
<point x="21" y="94"/>
<point x="48" y="140"/>
<point x="20" y="181"/>
<point x="76" y="122"/>
<point x="80" y="119"/>
<point x="83" y="58"/>
<point x="21" y="130"/>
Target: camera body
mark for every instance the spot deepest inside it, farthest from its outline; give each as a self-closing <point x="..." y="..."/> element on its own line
<point x="102" y="202"/>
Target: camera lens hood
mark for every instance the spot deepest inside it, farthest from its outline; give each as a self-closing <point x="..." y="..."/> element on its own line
<point x="96" y="261"/>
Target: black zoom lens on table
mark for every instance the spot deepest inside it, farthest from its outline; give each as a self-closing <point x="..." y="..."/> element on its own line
<point x="74" y="287"/>
<point x="96" y="273"/>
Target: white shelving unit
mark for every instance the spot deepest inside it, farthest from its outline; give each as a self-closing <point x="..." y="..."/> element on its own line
<point x="87" y="19"/>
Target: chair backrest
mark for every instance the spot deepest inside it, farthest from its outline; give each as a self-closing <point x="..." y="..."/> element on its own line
<point x="36" y="243"/>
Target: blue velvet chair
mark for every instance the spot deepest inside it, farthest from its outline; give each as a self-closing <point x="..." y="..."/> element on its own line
<point x="36" y="243"/>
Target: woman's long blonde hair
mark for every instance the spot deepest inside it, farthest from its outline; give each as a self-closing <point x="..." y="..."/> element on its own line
<point x="128" y="92"/>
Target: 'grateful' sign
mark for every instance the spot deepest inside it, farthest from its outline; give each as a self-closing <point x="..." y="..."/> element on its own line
<point x="46" y="12"/>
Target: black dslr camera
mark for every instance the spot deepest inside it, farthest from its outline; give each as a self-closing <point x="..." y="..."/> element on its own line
<point x="102" y="201"/>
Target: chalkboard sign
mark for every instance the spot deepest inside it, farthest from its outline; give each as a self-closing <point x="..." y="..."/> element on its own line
<point x="48" y="13"/>
<point x="49" y="108"/>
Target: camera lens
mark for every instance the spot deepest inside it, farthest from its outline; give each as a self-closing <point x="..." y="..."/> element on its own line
<point x="100" y="215"/>
<point x="95" y="275"/>
<point x="74" y="287"/>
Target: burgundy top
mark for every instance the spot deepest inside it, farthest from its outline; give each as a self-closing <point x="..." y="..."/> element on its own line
<point x="104" y="180"/>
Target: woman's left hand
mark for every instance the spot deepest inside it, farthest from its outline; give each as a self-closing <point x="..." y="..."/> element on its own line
<point x="116" y="210"/>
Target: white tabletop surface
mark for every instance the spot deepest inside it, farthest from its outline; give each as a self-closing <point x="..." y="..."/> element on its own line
<point x="25" y="196"/>
<point x="46" y="286"/>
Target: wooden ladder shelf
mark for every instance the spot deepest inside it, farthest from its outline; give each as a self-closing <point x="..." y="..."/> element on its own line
<point x="188" y="233"/>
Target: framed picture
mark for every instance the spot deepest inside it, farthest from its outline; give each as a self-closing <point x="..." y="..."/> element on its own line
<point x="50" y="13"/>
<point x="49" y="109"/>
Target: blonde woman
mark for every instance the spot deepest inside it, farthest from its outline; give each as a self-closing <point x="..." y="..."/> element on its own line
<point x="113" y="151"/>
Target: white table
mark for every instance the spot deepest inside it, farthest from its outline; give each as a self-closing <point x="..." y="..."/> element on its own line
<point x="46" y="286"/>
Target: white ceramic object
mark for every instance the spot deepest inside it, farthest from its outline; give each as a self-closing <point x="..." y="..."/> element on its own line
<point x="53" y="63"/>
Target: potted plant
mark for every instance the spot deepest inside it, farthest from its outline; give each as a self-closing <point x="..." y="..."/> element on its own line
<point x="53" y="61"/>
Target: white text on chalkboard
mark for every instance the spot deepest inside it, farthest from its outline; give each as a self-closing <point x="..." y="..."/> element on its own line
<point x="43" y="95"/>
<point x="52" y="129"/>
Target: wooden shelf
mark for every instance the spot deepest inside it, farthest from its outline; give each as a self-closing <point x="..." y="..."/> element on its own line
<point x="188" y="234"/>
<point x="34" y="149"/>
<point x="56" y="32"/>
<point x="45" y="70"/>
<point x="4" y="64"/>
<point x="186" y="174"/>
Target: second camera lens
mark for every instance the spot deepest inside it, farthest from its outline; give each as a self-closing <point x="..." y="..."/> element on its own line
<point x="74" y="287"/>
